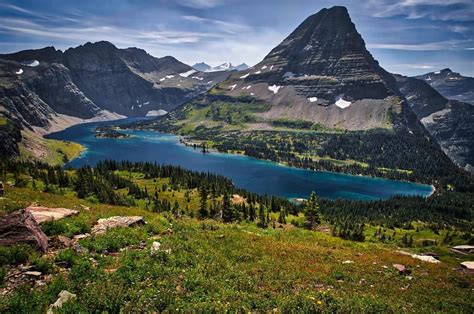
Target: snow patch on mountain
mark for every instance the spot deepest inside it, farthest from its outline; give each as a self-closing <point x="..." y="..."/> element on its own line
<point x="274" y="88"/>
<point x="341" y="103"/>
<point x="20" y="71"/>
<point x="156" y="113"/>
<point x="313" y="99"/>
<point x="33" y="63"/>
<point x="188" y="73"/>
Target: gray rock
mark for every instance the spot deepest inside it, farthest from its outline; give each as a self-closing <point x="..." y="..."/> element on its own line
<point x="63" y="297"/>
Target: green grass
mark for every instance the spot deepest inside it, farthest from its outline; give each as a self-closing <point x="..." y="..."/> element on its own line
<point x="219" y="267"/>
<point x="3" y="121"/>
<point x="48" y="150"/>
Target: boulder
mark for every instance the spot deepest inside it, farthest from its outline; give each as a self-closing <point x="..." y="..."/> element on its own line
<point x="468" y="265"/>
<point x="42" y="214"/>
<point x="63" y="297"/>
<point x="402" y="270"/>
<point x="464" y="248"/>
<point x="116" y="222"/>
<point x="20" y="227"/>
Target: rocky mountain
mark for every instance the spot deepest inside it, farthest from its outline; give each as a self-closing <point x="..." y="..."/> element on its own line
<point x="322" y="73"/>
<point x="44" y="89"/>
<point x="449" y="122"/>
<point x="451" y="85"/>
<point x="204" y="67"/>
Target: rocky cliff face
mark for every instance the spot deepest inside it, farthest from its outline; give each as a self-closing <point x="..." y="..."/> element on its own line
<point x="451" y="85"/>
<point x="449" y="122"/>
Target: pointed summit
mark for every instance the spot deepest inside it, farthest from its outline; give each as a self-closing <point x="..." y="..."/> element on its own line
<point x="325" y="57"/>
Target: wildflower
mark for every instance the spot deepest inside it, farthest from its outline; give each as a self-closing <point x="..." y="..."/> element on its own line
<point x="319" y="302"/>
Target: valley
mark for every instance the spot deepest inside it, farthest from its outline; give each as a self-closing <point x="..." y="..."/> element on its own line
<point x="314" y="180"/>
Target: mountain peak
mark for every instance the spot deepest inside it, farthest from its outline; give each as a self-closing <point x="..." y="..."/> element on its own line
<point x="324" y="57"/>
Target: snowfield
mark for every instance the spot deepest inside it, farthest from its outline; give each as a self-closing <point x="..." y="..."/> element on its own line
<point x="245" y="76"/>
<point x="274" y="88"/>
<point x="33" y="63"/>
<point x="19" y="71"/>
<point x="231" y="87"/>
<point x="341" y="103"/>
<point x="188" y="73"/>
<point x="313" y="99"/>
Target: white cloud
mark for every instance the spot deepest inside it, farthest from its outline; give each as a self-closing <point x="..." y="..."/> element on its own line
<point x="200" y="4"/>
<point x="227" y="27"/>
<point x="412" y="66"/>
<point x="441" y="45"/>
<point x="444" y="10"/>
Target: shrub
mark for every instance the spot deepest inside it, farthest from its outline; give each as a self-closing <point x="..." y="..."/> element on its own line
<point x="14" y="255"/>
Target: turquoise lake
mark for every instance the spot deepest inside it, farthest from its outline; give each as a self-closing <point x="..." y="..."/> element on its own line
<point x="255" y="175"/>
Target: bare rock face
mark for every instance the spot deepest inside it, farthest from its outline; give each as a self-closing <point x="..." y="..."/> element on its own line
<point x="20" y="227"/>
<point x="449" y="122"/>
<point x="117" y="222"/>
<point x="42" y="214"/>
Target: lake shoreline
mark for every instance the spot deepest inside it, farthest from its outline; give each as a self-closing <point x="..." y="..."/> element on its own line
<point x="260" y="176"/>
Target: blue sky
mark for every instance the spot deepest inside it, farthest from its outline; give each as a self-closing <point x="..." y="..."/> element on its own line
<point x="408" y="36"/>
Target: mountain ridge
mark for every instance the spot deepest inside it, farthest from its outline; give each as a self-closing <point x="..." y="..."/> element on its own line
<point x="45" y="88"/>
<point x="451" y="85"/>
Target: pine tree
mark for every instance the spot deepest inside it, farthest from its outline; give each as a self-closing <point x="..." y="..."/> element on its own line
<point x="227" y="214"/>
<point x="176" y="209"/>
<point x="262" y="223"/>
<point x="252" y="213"/>
<point x="203" y="212"/>
<point x="282" y="217"/>
<point x="312" y="213"/>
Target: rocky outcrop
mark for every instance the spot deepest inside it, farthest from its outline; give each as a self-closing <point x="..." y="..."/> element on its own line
<point x="449" y="122"/>
<point x="20" y="227"/>
<point x="42" y="214"/>
<point x="451" y="85"/>
<point x="116" y="222"/>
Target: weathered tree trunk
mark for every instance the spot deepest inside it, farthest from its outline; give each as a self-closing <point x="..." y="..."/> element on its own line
<point x="20" y="227"/>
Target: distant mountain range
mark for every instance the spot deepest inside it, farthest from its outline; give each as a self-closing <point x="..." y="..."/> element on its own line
<point x="451" y="85"/>
<point x="204" y="67"/>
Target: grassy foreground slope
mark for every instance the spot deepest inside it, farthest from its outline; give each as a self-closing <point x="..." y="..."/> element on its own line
<point x="213" y="266"/>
